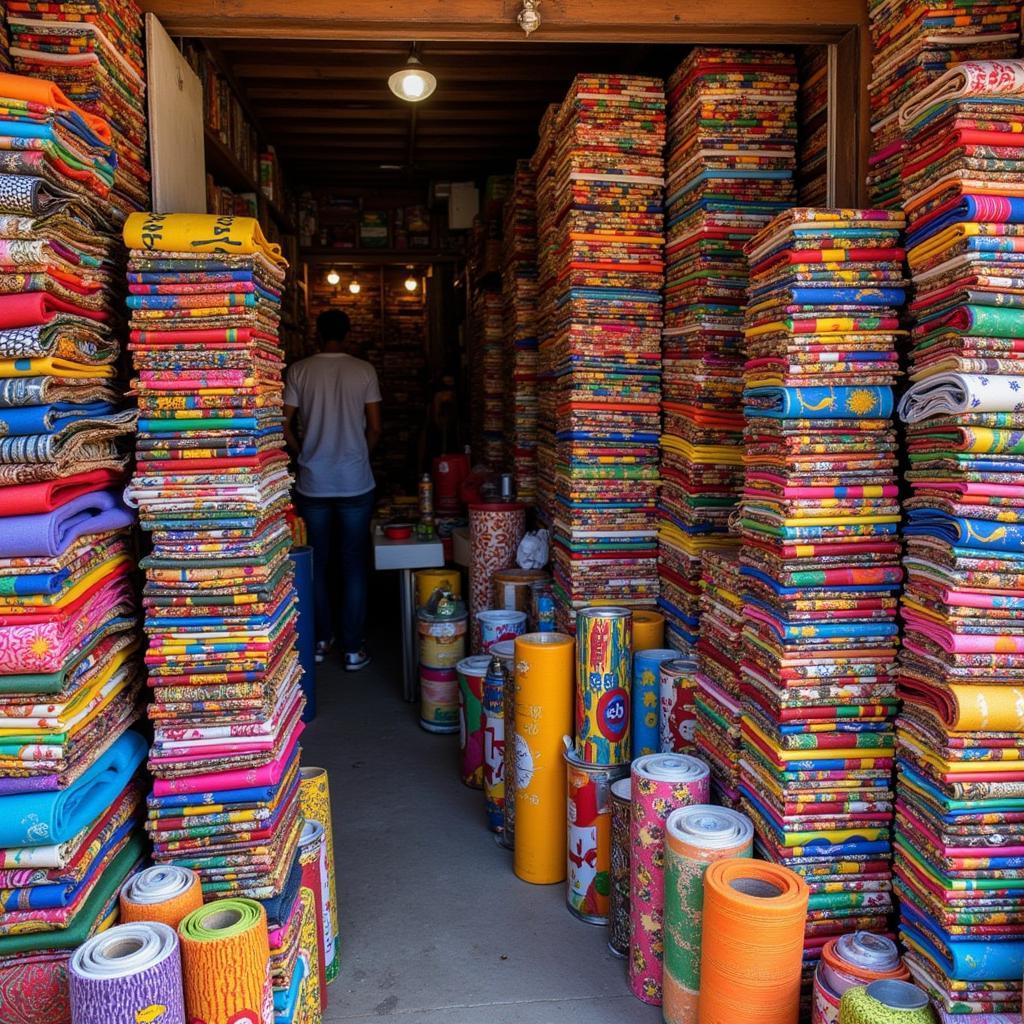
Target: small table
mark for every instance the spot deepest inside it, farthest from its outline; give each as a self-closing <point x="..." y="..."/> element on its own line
<point x="407" y="556"/>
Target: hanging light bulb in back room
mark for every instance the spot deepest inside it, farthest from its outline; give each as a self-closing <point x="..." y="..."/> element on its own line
<point x="412" y="82"/>
<point x="333" y="278"/>
<point x="411" y="282"/>
<point x="354" y="286"/>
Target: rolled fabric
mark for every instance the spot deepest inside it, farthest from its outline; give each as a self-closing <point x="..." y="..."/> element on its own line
<point x="677" y="719"/>
<point x="225" y="954"/>
<point x="492" y="725"/>
<point x="752" y="942"/>
<point x="310" y="857"/>
<point x="695" y="837"/>
<point x="660" y="784"/>
<point x="199" y="232"/>
<point x="315" y="804"/>
<point x="130" y="974"/>
<point x="819" y="403"/>
<point x="309" y="950"/>
<point x="46" y="534"/>
<point x="471" y="672"/>
<point x="855" y="959"/>
<point x="970" y="78"/>
<point x="544" y="695"/>
<point x="950" y="394"/>
<point x="618" y="896"/>
<point x="495" y="531"/>
<point x="165" y="893"/>
<point x="505" y="652"/>
<point x="645" y="699"/>
<point x="648" y="629"/>
<point x="37" y="819"/>
<point x="885" y="1002"/>
<point x="603" y="681"/>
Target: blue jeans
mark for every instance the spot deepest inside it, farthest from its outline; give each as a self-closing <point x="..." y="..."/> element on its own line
<point x="339" y="533"/>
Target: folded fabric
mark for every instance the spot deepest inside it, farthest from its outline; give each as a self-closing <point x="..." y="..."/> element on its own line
<point x="50" y="533"/>
<point x="45" y="419"/>
<point x="27" y="309"/>
<point x="819" y="402"/>
<point x="970" y="78"/>
<point x="198" y="232"/>
<point x="971" y="533"/>
<point x="46" y="94"/>
<point x="28" y="499"/>
<point x="35" y="819"/>
<point x="949" y="394"/>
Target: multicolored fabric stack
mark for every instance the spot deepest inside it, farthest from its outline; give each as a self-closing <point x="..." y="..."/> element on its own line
<point x="488" y="376"/>
<point x="820" y="557"/>
<point x="812" y="112"/>
<point x="604" y="339"/>
<point x="212" y="486"/>
<point x="719" y="701"/>
<point x="519" y="292"/>
<point x="731" y="153"/>
<point x="93" y="50"/>
<point x="915" y="41"/>
<point x="960" y="734"/>
<point x="5" y="44"/>
<point x="70" y="647"/>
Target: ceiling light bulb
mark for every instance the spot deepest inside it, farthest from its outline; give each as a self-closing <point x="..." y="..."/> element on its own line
<point x="529" y="16"/>
<point x="333" y="278"/>
<point x="413" y="82"/>
<point x="355" y="287"/>
<point x="411" y="284"/>
<point x="413" y="86"/>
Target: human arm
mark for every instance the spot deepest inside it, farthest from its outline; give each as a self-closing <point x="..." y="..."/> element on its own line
<point x="291" y="439"/>
<point x="373" y="425"/>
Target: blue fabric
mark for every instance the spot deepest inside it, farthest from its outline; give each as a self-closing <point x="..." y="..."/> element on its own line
<point x="820" y="403"/>
<point x="40" y="819"/>
<point x="981" y="534"/>
<point x="286" y="1001"/>
<point x="339" y="534"/>
<point x="645" y="699"/>
<point x="965" y="210"/>
<point x="46" y="419"/>
<point x="279" y="907"/>
<point x="848" y="296"/>
<point x="257" y="794"/>
<point x="973" y="960"/>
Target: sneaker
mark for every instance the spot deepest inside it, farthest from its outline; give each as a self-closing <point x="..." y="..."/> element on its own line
<point x="323" y="648"/>
<point x="356" y="661"/>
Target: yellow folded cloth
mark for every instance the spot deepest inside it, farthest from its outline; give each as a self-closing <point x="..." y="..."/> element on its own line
<point x="52" y="366"/>
<point x="199" y="232"/>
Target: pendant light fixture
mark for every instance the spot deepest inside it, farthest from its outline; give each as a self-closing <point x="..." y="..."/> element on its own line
<point x="354" y="286"/>
<point x="412" y="82"/>
<point x="333" y="278"/>
<point x="411" y="282"/>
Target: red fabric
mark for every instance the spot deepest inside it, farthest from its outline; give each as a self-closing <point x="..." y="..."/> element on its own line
<point x="27" y="499"/>
<point x="27" y="309"/>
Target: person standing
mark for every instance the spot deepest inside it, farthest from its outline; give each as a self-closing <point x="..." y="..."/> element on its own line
<point x="336" y="397"/>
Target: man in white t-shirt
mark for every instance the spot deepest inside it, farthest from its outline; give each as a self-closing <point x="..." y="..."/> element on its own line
<point x="337" y="399"/>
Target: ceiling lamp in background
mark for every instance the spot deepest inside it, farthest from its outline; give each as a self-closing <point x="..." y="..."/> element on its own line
<point x="354" y="286"/>
<point x="412" y="83"/>
<point x="411" y="282"/>
<point x="529" y="16"/>
<point x="333" y="278"/>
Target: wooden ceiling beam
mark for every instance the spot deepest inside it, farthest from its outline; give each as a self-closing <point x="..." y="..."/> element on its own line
<point x="526" y="116"/>
<point x="484" y="72"/>
<point x="483" y="94"/>
<point x="281" y="129"/>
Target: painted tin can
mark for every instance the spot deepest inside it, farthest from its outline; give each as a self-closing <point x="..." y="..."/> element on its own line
<point x="442" y="639"/>
<point x="429" y="580"/>
<point x="603" y="647"/>
<point x="646" y="699"/>
<point x="471" y="672"/>
<point x="505" y="652"/>
<point x="542" y="607"/>
<point x="512" y="588"/>
<point x="618" y="876"/>
<point x="678" y="712"/>
<point x="492" y="723"/>
<point x="439" y="699"/>
<point x="497" y="624"/>
<point x="589" y="824"/>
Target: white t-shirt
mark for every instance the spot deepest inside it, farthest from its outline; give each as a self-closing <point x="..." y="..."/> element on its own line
<point x="331" y="391"/>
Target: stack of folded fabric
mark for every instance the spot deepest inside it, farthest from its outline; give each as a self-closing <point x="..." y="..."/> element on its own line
<point x="959" y="858"/>
<point x="519" y="290"/>
<point x="731" y="153"/>
<point x="604" y="339"/>
<point x="812" y="111"/>
<point x="488" y="378"/>
<point x="212" y="486"/>
<point x="70" y="647"/>
<point x="820" y="557"/>
<point x="5" y="43"/>
<point x="284" y="928"/>
<point x="93" y="50"/>
<point x="719" y="701"/>
<point x="915" y="41"/>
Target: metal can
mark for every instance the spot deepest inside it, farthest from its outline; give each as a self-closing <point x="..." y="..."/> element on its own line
<point x="619" y="879"/>
<point x="678" y="713"/>
<point x="589" y="854"/>
<point x="492" y="721"/>
<point x="442" y="639"/>
<point x="506" y="487"/>
<point x="603" y="650"/>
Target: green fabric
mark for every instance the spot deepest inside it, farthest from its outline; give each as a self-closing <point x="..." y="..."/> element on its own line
<point x="194" y="927"/>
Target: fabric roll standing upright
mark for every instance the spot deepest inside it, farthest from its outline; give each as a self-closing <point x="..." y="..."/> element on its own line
<point x="619" y="876"/>
<point x="315" y="804"/>
<point x="495" y="531"/>
<point x="646" y="699"/>
<point x="492" y="725"/>
<point x="603" y="653"/>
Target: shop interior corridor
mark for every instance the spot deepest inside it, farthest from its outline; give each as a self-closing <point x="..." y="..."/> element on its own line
<point x="435" y="927"/>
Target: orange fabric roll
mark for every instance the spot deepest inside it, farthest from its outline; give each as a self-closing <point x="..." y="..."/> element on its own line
<point x="752" y="943"/>
<point x="648" y="630"/>
<point x="165" y="893"/>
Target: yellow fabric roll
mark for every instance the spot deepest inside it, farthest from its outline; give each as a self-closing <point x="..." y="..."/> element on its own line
<point x="988" y="708"/>
<point x="648" y="630"/>
<point x="429" y="580"/>
<point x="199" y="232"/>
<point x="545" y="664"/>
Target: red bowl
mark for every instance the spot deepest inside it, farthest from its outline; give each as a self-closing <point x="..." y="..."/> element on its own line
<point x="398" y="531"/>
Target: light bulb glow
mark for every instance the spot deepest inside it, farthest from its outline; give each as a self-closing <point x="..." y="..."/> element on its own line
<point x="414" y="85"/>
<point x="411" y="284"/>
<point x="333" y="278"/>
<point x="413" y="82"/>
<point x="355" y="287"/>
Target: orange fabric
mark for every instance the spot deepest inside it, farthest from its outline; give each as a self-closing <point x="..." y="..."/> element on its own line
<point x="861" y="974"/>
<point x="39" y="90"/>
<point x="170" y="912"/>
<point x="648" y="630"/>
<point x="751" y="945"/>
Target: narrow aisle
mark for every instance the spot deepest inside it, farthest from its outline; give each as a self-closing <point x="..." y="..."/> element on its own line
<point x="435" y="927"/>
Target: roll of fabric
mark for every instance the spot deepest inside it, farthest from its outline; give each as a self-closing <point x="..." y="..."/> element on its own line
<point x="495" y="625"/>
<point x="127" y="975"/>
<point x="588" y="864"/>
<point x="855" y="959"/>
<point x="660" y="784"/>
<point x="34" y="987"/>
<point x="311" y="855"/>
<point x="751" y="943"/>
<point x="886" y="1002"/>
<point x="505" y="652"/>
<point x="695" y="837"/>
<point x="225" y="954"/>
<point x="543" y="712"/>
<point x="648" y="629"/>
<point x="471" y="672"/>
<point x="429" y="580"/>
<point x="677" y="718"/>
<point x="492" y="724"/>
<point x="495" y="531"/>
<point x="645" y="699"/>
<point x="619" y="882"/>
<point x="302" y="559"/>
<point x="315" y="804"/>
<point x="603" y="654"/>
<point x="198" y="232"/>
<point x="313" y="995"/>
<point x="164" y="893"/>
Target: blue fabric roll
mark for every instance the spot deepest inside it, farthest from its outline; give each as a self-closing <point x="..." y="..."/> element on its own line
<point x="645" y="699"/>
<point x="302" y="559"/>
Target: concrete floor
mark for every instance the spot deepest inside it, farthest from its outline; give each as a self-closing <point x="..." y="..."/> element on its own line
<point x="435" y="927"/>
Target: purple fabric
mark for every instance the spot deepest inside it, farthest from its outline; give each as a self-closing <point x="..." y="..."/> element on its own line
<point x="46" y="534"/>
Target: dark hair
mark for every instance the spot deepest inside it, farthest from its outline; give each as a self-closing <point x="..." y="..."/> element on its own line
<point x="333" y="325"/>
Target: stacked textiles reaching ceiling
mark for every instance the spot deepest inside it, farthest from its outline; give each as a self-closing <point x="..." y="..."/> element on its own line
<point x="960" y="736"/>
<point x="93" y="50"/>
<point x="915" y="41"/>
<point x="812" y="110"/>
<point x="519" y="293"/>
<point x="212" y="487"/>
<point x="488" y="377"/>
<point x="602" y="183"/>
<point x="820" y="558"/>
<point x="732" y="136"/>
<point x="70" y="648"/>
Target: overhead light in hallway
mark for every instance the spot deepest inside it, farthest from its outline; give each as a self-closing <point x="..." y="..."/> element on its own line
<point x="412" y="83"/>
<point x="529" y="16"/>
<point x="333" y="278"/>
<point x="411" y="283"/>
<point x="354" y="286"/>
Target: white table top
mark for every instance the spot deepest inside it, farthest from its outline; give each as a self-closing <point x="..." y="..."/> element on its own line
<point x="407" y="554"/>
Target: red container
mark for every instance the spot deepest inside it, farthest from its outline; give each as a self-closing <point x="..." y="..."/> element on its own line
<point x="449" y="472"/>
